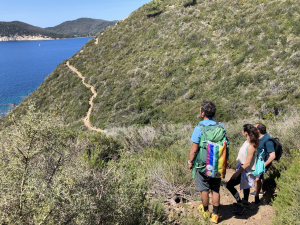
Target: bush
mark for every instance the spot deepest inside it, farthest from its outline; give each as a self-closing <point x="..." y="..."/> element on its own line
<point x="287" y="201"/>
<point x="153" y="8"/>
<point x="46" y="180"/>
<point x="100" y="149"/>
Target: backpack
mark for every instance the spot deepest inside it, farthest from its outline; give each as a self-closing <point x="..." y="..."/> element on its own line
<point x="213" y="151"/>
<point x="277" y="147"/>
<point x="260" y="165"/>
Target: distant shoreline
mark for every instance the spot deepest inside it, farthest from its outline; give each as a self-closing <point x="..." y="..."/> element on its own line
<point x="34" y="38"/>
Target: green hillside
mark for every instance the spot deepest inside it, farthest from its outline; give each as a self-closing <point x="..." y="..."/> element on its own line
<point x="20" y="28"/>
<point x="167" y="57"/>
<point x="81" y="27"/>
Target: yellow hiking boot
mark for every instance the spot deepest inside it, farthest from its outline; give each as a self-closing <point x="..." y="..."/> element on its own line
<point x="204" y="214"/>
<point x="214" y="218"/>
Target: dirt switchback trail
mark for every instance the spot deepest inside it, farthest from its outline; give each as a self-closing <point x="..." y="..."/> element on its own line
<point x="255" y="215"/>
<point x="86" y="119"/>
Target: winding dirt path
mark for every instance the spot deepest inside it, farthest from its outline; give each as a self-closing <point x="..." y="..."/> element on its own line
<point x="86" y="119"/>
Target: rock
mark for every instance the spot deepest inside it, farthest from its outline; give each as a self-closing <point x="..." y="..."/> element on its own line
<point x="172" y="202"/>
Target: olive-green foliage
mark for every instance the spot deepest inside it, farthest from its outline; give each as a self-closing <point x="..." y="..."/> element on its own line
<point x="45" y="180"/>
<point x="159" y="154"/>
<point x="101" y="149"/>
<point x="287" y="200"/>
<point x="34" y="150"/>
<point x="153" y="8"/>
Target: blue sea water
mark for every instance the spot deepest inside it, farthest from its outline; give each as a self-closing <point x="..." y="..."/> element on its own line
<point x="25" y="64"/>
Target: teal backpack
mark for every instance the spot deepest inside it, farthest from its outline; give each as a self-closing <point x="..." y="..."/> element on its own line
<point x="211" y="135"/>
<point x="260" y="165"/>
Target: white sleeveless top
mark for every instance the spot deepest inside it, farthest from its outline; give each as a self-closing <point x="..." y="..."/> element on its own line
<point x="242" y="157"/>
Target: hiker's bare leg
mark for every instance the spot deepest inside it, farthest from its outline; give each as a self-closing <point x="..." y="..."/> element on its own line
<point x="205" y="198"/>
<point x="215" y="198"/>
<point x="258" y="186"/>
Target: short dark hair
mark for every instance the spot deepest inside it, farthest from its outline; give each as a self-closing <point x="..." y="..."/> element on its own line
<point x="208" y="108"/>
<point x="262" y="128"/>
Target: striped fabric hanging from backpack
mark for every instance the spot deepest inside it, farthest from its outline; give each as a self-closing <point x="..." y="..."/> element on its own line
<point x="216" y="160"/>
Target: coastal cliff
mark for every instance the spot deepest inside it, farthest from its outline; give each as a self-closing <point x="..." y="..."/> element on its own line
<point x="25" y="38"/>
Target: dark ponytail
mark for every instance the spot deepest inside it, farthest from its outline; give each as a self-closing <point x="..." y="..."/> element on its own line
<point x="253" y="134"/>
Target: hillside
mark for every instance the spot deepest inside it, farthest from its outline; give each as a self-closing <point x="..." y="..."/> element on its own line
<point x="166" y="58"/>
<point x="77" y="28"/>
<point x="81" y="27"/>
<point x="17" y="28"/>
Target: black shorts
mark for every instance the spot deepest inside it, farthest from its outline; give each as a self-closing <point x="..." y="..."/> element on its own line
<point x="204" y="183"/>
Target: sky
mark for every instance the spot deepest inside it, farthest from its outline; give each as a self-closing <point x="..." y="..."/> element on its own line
<point x="46" y="13"/>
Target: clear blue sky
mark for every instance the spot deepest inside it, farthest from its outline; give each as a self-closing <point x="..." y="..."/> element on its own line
<point x="46" y="13"/>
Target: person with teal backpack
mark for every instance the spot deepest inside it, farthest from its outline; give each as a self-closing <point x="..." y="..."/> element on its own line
<point x="208" y="158"/>
<point x="246" y="164"/>
<point x="267" y="151"/>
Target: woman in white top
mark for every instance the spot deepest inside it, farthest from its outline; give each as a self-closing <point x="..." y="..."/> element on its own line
<point x="246" y="162"/>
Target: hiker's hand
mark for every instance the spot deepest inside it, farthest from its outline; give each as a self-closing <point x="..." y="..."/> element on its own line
<point x="257" y="179"/>
<point x="191" y="167"/>
<point x="235" y="175"/>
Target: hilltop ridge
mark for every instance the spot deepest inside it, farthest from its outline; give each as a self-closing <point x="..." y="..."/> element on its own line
<point x="82" y="27"/>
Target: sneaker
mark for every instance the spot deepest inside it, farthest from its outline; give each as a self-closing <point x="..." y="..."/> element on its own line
<point x="239" y="209"/>
<point x="204" y="214"/>
<point x="214" y="218"/>
<point x="254" y="192"/>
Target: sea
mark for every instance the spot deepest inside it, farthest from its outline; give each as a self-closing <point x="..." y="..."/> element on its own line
<point x="24" y="65"/>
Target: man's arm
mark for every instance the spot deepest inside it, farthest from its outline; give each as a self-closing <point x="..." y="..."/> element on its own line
<point x="271" y="152"/>
<point x="270" y="159"/>
<point x="193" y="153"/>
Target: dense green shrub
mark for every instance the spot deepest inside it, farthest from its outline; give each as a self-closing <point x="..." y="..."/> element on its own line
<point x="46" y="180"/>
<point x="100" y="149"/>
<point x="287" y="200"/>
<point x="153" y="8"/>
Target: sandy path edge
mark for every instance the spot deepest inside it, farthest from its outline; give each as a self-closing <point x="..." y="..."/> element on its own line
<point x="86" y="119"/>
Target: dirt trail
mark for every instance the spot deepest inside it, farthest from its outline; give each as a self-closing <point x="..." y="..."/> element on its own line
<point x="86" y="119"/>
<point x="256" y="215"/>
